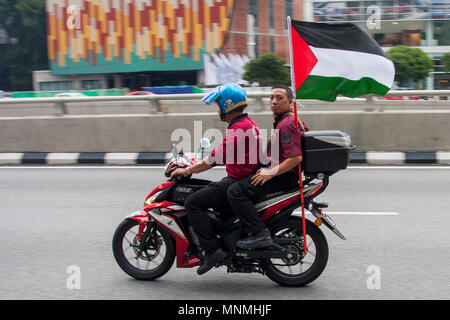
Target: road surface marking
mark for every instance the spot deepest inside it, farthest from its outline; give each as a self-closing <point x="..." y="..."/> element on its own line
<point x="356" y="213"/>
<point x="146" y="167"/>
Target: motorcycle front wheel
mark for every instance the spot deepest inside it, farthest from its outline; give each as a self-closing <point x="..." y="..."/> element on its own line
<point x="144" y="261"/>
<point x="300" y="269"/>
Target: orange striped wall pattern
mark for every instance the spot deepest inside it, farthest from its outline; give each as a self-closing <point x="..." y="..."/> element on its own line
<point x="90" y="36"/>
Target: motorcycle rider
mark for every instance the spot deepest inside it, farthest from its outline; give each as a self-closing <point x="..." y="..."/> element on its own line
<point x="231" y="100"/>
<point x="280" y="177"/>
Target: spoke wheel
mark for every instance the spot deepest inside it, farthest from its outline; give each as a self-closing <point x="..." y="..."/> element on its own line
<point x="144" y="261"/>
<point x="299" y="269"/>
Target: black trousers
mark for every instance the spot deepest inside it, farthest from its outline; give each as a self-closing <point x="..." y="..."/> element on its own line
<point x="196" y="205"/>
<point x="243" y="194"/>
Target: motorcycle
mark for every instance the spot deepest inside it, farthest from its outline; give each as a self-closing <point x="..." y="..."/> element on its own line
<point x="147" y="242"/>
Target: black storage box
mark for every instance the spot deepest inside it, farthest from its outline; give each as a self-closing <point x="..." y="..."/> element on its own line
<point x="325" y="151"/>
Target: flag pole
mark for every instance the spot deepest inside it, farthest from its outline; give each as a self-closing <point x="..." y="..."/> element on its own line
<point x="291" y="58"/>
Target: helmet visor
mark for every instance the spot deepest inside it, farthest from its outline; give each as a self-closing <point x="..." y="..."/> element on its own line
<point x="211" y="96"/>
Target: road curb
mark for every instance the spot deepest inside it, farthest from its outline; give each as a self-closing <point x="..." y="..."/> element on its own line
<point x="160" y="158"/>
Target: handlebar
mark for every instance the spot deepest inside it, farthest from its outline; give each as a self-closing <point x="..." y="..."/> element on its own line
<point x="177" y="177"/>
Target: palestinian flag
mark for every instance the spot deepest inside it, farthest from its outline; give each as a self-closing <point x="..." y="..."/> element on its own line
<point x="332" y="59"/>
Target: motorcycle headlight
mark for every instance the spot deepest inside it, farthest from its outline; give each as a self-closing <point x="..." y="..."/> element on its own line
<point x="152" y="198"/>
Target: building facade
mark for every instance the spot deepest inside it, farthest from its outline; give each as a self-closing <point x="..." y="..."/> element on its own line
<point x="137" y="43"/>
<point x="134" y="41"/>
<point x="259" y="27"/>
<point x="97" y="44"/>
<point x="424" y="24"/>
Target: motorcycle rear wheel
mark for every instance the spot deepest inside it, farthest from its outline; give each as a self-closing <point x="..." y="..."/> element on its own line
<point x="153" y="262"/>
<point x="310" y="267"/>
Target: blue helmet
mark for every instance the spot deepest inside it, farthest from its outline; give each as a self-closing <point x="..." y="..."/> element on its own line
<point x="231" y="97"/>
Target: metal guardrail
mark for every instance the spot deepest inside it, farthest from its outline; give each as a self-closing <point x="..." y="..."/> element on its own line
<point x="154" y="100"/>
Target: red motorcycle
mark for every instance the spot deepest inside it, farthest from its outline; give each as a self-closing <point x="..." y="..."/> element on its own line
<point x="147" y="242"/>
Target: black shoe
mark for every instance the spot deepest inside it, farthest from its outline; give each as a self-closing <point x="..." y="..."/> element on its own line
<point x="260" y="240"/>
<point x="211" y="260"/>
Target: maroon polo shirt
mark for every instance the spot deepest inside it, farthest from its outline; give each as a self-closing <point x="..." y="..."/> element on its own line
<point x="239" y="150"/>
<point x="288" y="137"/>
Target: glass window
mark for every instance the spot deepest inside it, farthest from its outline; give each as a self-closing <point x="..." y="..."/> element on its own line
<point x="289" y="10"/>
<point x="442" y="32"/>
<point x="253" y="10"/>
<point x="271" y="14"/>
<point x="438" y="65"/>
<point x="390" y="10"/>
<point x="91" y="84"/>
<point x="354" y="11"/>
<point x="56" y="85"/>
<point x="404" y="37"/>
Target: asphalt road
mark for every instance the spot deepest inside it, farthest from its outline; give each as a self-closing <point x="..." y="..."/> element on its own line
<point x="58" y="222"/>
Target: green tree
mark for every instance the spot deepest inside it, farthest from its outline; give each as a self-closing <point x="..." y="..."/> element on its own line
<point x="446" y="61"/>
<point x="410" y="63"/>
<point x="268" y="70"/>
<point x="25" y="23"/>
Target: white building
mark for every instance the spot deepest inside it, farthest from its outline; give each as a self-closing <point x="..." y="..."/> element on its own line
<point x="416" y="23"/>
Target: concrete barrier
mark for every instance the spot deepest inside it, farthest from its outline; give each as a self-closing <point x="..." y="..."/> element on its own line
<point x="160" y="158"/>
<point x="30" y="108"/>
<point x="187" y="103"/>
<point x="390" y="131"/>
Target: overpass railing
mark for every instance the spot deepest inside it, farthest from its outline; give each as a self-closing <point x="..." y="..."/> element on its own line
<point x="154" y="100"/>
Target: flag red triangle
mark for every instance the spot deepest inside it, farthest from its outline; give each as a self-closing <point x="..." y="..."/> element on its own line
<point x="304" y="59"/>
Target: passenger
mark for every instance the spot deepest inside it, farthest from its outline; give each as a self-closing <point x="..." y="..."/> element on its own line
<point x="280" y="177"/>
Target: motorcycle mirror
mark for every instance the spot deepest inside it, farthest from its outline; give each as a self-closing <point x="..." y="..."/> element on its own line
<point x="204" y="143"/>
<point x="174" y="150"/>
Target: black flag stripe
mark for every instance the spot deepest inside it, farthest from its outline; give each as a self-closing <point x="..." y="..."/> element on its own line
<point x="342" y="36"/>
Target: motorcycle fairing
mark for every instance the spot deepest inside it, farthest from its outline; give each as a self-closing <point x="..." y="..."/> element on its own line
<point x="170" y="224"/>
<point x="183" y="262"/>
<point x="141" y="217"/>
<point x="277" y="207"/>
<point x="181" y="241"/>
<point x="160" y="205"/>
<point x="158" y="188"/>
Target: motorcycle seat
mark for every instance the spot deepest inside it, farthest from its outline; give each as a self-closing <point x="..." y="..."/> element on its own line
<point x="281" y="196"/>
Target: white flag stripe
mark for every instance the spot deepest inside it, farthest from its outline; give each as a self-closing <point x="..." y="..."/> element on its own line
<point x="353" y="65"/>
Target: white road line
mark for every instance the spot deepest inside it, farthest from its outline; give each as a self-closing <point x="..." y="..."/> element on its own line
<point x="401" y="167"/>
<point x="87" y="166"/>
<point x="356" y="213"/>
<point x="146" y="167"/>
